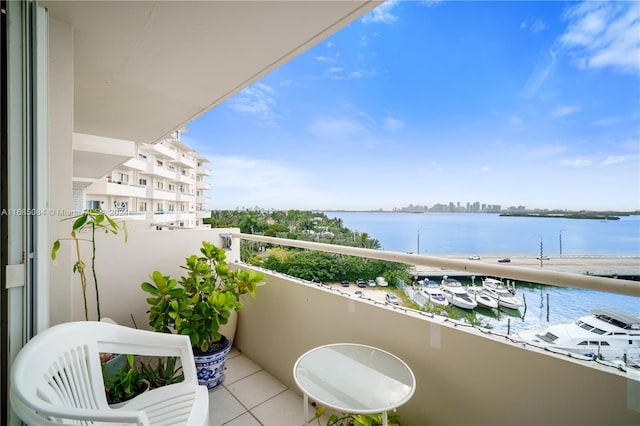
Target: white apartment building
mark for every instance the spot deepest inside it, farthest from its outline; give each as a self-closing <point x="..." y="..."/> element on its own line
<point x="162" y="187"/>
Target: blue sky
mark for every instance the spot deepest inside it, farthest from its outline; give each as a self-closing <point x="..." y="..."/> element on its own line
<point x="511" y="103"/>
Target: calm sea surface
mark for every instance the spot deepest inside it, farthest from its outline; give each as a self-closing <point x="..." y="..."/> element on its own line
<point x="442" y="234"/>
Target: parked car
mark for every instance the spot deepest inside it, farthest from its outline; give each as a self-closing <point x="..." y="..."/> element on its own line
<point x="504" y="260"/>
<point x="544" y="258"/>
<point x="391" y="298"/>
<point x="361" y="283"/>
<point x="474" y="257"/>
<point x="345" y="283"/>
<point x="381" y="282"/>
<point x="371" y="283"/>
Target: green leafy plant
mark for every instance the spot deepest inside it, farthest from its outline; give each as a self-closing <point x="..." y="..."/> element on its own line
<point x="90" y="220"/>
<point x="350" y="419"/>
<point x="125" y="383"/>
<point x="202" y="301"/>
<point x="163" y="373"/>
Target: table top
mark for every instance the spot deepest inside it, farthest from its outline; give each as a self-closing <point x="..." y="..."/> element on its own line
<point x="354" y="378"/>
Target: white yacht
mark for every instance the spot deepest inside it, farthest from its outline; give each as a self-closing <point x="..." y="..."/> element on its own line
<point x="606" y="334"/>
<point x="456" y="294"/>
<point x="481" y="297"/>
<point x="432" y="292"/>
<point x="497" y="290"/>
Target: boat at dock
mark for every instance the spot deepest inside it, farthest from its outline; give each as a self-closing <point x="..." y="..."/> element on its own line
<point x="481" y="297"/>
<point x="456" y="294"/>
<point x="432" y="292"/>
<point x="606" y="334"/>
<point x="504" y="295"/>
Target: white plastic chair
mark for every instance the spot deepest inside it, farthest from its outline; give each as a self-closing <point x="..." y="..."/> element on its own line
<point x="57" y="378"/>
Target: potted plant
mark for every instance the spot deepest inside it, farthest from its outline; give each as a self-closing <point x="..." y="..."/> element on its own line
<point x="89" y="220"/>
<point x="198" y="304"/>
<point x="124" y="384"/>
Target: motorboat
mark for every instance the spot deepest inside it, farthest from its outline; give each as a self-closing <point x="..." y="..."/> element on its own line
<point x="456" y="294"/>
<point x="497" y="290"/>
<point x="432" y="292"/>
<point x="483" y="300"/>
<point x="607" y="334"/>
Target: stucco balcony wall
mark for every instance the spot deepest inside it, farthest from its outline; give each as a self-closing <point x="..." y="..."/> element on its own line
<point x="122" y="267"/>
<point x="463" y="377"/>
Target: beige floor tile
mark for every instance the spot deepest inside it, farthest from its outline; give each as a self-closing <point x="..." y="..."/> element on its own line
<point x="256" y="388"/>
<point x="223" y="406"/>
<point x="239" y="367"/>
<point x="244" y="420"/>
<point x="284" y="409"/>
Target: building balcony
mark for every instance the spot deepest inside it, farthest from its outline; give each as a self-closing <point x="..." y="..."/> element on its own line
<point x="162" y="150"/>
<point x="161" y="171"/>
<point x="203" y="171"/>
<point x="184" y="161"/>
<point x="108" y="187"/>
<point x="184" y="197"/>
<point x="189" y="180"/>
<point x="201" y="214"/>
<point x="200" y="184"/>
<point x="495" y="376"/>
<point x="203" y="200"/>
<point x="160" y="194"/>
<point x="131" y="215"/>
<point x="164" y="217"/>
<point x="135" y="164"/>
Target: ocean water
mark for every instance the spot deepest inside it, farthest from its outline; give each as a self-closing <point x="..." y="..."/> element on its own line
<point x="490" y="234"/>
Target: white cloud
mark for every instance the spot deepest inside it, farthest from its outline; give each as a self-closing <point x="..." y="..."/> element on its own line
<point x="563" y="110"/>
<point x="604" y="34"/>
<point x="253" y="173"/>
<point x="514" y="119"/>
<point x="337" y="129"/>
<point x="541" y="72"/>
<point x="382" y="14"/>
<point x="613" y="159"/>
<point x="338" y="73"/>
<point x="257" y="100"/>
<point x="393" y="124"/>
<point x="604" y="121"/>
<point x="577" y="162"/>
<point x="535" y="27"/>
<point x="323" y="59"/>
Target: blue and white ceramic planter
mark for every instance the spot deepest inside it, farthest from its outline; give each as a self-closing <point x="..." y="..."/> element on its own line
<point x="210" y="366"/>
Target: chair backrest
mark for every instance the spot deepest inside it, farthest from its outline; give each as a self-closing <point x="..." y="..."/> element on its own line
<point x="57" y="376"/>
<point x="60" y="367"/>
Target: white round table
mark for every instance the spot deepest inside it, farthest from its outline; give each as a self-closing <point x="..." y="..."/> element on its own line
<point x="353" y="378"/>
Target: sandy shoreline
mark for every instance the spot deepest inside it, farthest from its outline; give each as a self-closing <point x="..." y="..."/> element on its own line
<point x="596" y="265"/>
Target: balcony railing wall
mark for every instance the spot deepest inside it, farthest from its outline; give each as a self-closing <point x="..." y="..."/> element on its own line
<point x="463" y="376"/>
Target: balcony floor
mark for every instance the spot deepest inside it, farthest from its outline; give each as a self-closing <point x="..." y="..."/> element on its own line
<point x="251" y="396"/>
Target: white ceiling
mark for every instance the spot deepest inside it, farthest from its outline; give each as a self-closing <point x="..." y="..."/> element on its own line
<point x="144" y="69"/>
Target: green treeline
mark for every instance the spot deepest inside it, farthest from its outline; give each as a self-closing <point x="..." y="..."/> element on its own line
<point x="307" y="226"/>
<point x="576" y="215"/>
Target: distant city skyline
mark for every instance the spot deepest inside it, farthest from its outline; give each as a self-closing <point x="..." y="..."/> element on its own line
<point x="522" y="103"/>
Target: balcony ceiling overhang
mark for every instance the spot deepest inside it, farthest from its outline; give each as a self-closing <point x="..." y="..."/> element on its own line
<point x="144" y="69"/>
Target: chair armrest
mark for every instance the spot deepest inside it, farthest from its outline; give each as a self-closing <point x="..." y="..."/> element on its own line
<point x="108" y="416"/>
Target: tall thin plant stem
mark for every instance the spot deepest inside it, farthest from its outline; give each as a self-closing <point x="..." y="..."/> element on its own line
<point x="83" y="278"/>
<point x="93" y="267"/>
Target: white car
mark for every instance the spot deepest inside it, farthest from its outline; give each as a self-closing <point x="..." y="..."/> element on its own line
<point x="474" y="257"/>
<point x="392" y="299"/>
<point x="381" y="282"/>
